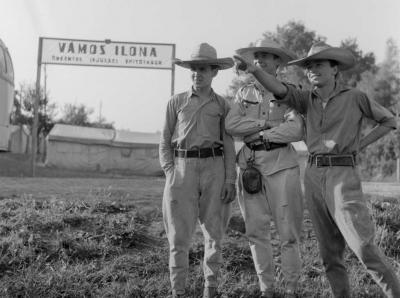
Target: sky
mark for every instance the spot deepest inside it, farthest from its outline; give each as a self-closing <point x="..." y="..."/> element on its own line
<point x="135" y="99"/>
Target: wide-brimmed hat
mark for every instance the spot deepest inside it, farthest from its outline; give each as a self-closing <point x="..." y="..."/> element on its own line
<point x="205" y="54"/>
<point x="323" y="51"/>
<point x="269" y="46"/>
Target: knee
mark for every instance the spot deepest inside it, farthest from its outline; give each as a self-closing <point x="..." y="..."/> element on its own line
<point x="370" y="255"/>
<point x="290" y="242"/>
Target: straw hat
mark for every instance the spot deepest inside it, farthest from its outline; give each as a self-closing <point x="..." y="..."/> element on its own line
<point x="205" y="54"/>
<point x="269" y="46"/>
<point x="323" y="51"/>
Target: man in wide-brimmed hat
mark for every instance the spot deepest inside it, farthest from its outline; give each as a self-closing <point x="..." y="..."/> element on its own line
<point x="333" y="191"/>
<point x="198" y="158"/>
<point x="268" y="128"/>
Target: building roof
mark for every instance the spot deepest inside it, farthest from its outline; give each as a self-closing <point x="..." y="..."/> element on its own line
<point x="111" y="137"/>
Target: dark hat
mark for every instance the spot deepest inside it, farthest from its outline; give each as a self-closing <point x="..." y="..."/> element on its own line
<point x="323" y="51"/>
<point x="205" y="54"/>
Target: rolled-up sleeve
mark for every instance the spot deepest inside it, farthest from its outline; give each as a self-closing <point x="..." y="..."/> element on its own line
<point x="291" y="130"/>
<point x="229" y="151"/>
<point x="237" y="123"/>
<point x="165" y="149"/>
<point x="372" y="110"/>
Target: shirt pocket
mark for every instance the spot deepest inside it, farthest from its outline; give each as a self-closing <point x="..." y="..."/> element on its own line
<point x="252" y="110"/>
<point x="210" y="119"/>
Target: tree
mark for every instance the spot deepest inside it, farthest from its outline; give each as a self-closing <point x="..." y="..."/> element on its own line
<point x="23" y="112"/>
<point x="79" y="115"/>
<point x="379" y="159"/>
<point x="75" y="115"/>
<point x="295" y="37"/>
<point x="364" y="62"/>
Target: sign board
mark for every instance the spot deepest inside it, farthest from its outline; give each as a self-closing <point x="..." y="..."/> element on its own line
<point x="98" y="53"/>
<point x="107" y="53"/>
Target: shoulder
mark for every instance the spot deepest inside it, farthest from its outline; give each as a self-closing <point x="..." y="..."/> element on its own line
<point x="249" y="93"/>
<point x="222" y="101"/>
<point x="353" y="91"/>
<point x="354" y="94"/>
<point x="249" y="87"/>
<point x="179" y="97"/>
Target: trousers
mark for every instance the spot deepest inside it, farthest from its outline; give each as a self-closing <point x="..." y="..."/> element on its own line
<point x="340" y="215"/>
<point x="280" y="200"/>
<point x="192" y="194"/>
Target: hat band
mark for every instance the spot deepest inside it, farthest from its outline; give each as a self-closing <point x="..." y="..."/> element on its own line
<point x="202" y="58"/>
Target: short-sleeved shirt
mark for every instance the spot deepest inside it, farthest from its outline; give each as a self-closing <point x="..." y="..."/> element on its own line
<point x="252" y="109"/>
<point x="195" y="122"/>
<point x="336" y="128"/>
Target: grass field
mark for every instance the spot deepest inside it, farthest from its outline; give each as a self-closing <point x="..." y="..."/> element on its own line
<point x="101" y="237"/>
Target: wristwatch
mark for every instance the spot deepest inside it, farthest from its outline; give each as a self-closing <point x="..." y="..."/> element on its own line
<point x="261" y="134"/>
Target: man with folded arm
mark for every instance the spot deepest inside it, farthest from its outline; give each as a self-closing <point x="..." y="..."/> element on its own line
<point x="198" y="158"/>
<point x="268" y="127"/>
<point x="334" y="197"/>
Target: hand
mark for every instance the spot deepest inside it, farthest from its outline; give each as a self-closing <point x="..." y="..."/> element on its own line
<point x="251" y="138"/>
<point x="243" y="64"/>
<point x="228" y="193"/>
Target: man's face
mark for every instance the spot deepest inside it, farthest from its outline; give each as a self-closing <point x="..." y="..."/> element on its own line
<point x="320" y="72"/>
<point x="267" y="61"/>
<point x="202" y="75"/>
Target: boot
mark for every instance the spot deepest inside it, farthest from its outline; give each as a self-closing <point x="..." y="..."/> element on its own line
<point x="210" y="292"/>
<point x="268" y="293"/>
<point x="177" y="295"/>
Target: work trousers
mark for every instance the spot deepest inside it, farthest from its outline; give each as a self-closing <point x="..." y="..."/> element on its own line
<point x="193" y="193"/>
<point x="340" y="215"/>
<point x="281" y="200"/>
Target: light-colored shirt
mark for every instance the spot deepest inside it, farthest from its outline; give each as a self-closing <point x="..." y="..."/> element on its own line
<point x="194" y="122"/>
<point x="251" y="110"/>
<point x="336" y="128"/>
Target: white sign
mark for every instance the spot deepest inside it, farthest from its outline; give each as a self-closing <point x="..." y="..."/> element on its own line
<point x="107" y="53"/>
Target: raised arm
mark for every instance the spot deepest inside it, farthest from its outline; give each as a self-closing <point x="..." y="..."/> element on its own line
<point x="269" y="82"/>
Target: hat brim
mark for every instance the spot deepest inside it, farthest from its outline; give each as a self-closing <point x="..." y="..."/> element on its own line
<point x="222" y="63"/>
<point x="285" y="55"/>
<point x="343" y="57"/>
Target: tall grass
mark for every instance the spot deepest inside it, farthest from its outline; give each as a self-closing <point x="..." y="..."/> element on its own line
<point x="101" y="247"/>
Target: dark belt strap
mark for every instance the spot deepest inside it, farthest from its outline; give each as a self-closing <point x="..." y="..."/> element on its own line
<point x="267" y="146"/>
<point x="199" y="153"/>
<point x="332" y="160"/>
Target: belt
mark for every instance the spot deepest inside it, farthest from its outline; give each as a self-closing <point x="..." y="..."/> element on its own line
<point x="267" y="146"/>
<point x="199" y="153"/>
<point x="332" y="160"/>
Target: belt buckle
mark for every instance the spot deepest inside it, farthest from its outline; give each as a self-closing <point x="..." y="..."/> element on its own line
<point x="353" y="160"/>
<point x="267" y="145"/>
<point x="318" y="160"/>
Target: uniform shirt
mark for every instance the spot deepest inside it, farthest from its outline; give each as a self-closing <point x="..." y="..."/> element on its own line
<point x="336" y="128"/>
<point x="193" y="122"/>
<point x="254" y="107"/>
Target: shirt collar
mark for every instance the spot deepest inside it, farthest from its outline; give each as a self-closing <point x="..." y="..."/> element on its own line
<point x="339" y="88"/>
<point x="212" y="94"/>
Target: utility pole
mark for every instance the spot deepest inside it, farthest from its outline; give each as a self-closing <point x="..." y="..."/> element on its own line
<point x="398" y="157"/>
<point x="100" y="107"/>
